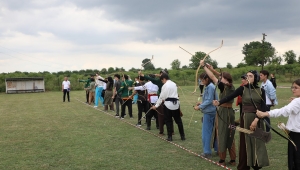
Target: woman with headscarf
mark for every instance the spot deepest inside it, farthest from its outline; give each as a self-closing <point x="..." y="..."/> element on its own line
<point x="252" y="151"/>
<point x="108" y="96"/>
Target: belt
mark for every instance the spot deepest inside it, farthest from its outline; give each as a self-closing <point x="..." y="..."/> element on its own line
<point x="250" y="109"/>
<point x="149" y="95"/>
<point x="173" y="100"/>
<point x="227" y="105"/>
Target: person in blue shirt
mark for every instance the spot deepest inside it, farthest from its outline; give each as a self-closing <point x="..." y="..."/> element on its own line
<point x="209" y="111"/>
<point x="270" y="92"/>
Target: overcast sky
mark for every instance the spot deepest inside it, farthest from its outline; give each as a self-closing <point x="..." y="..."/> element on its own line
<point x="55" y="35"/>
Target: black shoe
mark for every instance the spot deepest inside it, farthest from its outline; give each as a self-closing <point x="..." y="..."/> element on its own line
<point x="157" y="127"/>
<point x="169" y="138"/>
<point x="116" y="115"/>
<point x="148" y="128"/>
<point x="182" y="137"/>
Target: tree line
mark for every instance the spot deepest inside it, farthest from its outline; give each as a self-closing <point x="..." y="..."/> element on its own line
<point x="257" y="55"/>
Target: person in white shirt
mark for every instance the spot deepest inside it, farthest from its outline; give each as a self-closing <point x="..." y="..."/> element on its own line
<point x="171" y="106"/>
<point x="151" y="98"/>
<point x="98" y="91"/>
<point x="66" y="86"/>
<point x="270" y="92"/>
<point x="292" y="110"/>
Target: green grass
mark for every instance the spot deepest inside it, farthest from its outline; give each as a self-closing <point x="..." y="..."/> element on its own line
<point x="39" y="131"/>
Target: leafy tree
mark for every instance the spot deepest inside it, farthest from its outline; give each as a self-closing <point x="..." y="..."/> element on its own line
<point x="229" y="65"/>
<point x="96" y="71"/>
<point x="299" y="59"/>
<point x="103" y="71"/>
<point x="110" y="70"/>
<point x="184" y="67"/>
<point x="276" y="60"/>
<point x="133" y="69"/>
<point x="148" y="66"/>
<point x="290" y="57"/>
<point x="122" y="69"/>
<point x="175" y="65"/>
<point x="240" y="65"/>
<point x="200" y="55"/>
<point x="258" y="53"/>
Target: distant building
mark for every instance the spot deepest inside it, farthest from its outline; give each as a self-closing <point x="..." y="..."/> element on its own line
<point x="25" y="85"/>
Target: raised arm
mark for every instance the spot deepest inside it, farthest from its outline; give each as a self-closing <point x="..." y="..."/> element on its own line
<point x="209" y="73"/>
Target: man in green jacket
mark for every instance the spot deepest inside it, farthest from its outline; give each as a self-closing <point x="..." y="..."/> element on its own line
<point x="126" y="96"/>
<point x="87" y="84"/>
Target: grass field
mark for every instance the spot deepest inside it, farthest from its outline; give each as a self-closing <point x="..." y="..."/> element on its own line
<point x="39" y="131"/>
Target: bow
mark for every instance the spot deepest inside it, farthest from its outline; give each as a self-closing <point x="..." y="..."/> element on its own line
<point x="188" y="52"/>
<point x="196" y="79"/>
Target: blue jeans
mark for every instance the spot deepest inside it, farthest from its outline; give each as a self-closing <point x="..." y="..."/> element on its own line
<point x="135" y="98"/>
<point x="98" y="92"/>
<point x="207" y="130"/>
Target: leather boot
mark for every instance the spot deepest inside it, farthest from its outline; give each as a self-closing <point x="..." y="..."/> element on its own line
<point x="105" y="107"/>
<point x="111" y="107"/>
<point x="169" y="138"/>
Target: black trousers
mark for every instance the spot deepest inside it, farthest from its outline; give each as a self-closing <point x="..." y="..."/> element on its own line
<point x="175" y="114"/>
<point x="127" y="103"/>
<point x="87" y="94"/>
<point x="66" y="92"/>
<point x="142" y="107"/>
<point x="150" y="115"/>
<point x="293" y="154"/>
<point x="201" y="88"/>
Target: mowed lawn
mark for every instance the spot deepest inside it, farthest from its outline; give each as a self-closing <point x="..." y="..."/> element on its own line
<point x="39" y="131"/>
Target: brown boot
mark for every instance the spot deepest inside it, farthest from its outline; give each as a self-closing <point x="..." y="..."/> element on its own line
<point x="105" y="108"/>
<point x="111" y="107"/>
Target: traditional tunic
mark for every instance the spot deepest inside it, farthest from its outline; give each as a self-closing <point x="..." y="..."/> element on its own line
<point x="252" y="151"/>
<point x="225" y="118"/>
<point x="108" y="100"/>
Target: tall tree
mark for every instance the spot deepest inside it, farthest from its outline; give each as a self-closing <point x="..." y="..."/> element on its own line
<point x="110" y="70"/>
<point x="103" y="71"/>
<point x="258" y="53"/>
<point x="229" y="65"/>
<point x="276" y="60"/>
<point x="148" y="66"/>
<point x="184" y="67"/>
<point x="200" y="55"/>
<point x="290" y="57"/>
<point x="175" y="65"/>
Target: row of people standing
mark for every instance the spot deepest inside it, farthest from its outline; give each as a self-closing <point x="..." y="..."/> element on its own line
<point x="252" y="152"/>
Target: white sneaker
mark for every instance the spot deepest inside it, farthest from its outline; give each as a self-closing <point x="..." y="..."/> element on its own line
<point x="95" y="106"/>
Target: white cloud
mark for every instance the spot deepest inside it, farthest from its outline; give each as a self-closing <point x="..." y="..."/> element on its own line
<point x="92" y="34"/>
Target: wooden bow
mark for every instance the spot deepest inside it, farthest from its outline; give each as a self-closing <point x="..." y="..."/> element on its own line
<point x="196" y="78"/>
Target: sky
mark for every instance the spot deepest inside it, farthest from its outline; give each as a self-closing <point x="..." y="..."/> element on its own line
<point x="55" y="35"/>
